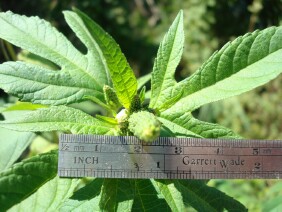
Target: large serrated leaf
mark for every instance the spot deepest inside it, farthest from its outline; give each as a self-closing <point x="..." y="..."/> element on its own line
<point x="76" y="78"/>
<point x="124" y="81"/>
<point x="130" y="195"/>
<point x="172" y="196"/>
<point x="168" y="57"/>
<point x="12" y="146"/>
<point x="178" y="130"/>
<point x="204" y="198"/>
<point x="186" y="125"/>
<point x="147" y="198"/>
<point x="245" y="63"/>
<point x="23" y="178"/>
<point x="94" y="55"/>
<point x="48" y="197"/>
<point x="116" y="195"/>
<point x="60" y="118"/>
<point x="85" y="199"/>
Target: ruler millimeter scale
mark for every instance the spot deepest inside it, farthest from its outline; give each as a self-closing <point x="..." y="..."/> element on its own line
<point x="168" y="158"/>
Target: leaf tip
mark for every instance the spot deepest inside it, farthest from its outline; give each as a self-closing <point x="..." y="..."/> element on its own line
<point x="180" y="14"/>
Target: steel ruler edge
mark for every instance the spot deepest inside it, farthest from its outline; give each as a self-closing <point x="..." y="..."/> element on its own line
<point x="168" y="158"/>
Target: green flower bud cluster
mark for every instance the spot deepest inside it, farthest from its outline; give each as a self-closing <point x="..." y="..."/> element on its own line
<point x="139" y="121"/>
<point x="144" y="125"/>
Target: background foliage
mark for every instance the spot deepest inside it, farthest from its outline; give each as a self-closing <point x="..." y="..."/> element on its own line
<point x="138" y="27"/>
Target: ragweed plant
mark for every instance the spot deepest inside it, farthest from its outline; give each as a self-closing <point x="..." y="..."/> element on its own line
<point x="104" y="76"/>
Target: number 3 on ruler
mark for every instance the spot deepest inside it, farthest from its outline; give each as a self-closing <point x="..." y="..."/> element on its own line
<point x="178" y="150"/>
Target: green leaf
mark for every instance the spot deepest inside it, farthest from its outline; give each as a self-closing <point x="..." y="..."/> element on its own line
<point x="59" y="118"/>
<point x="12" y="145"/>
<point x="142" y="95"/>
<point x="111" y="98"/>
<point x="34" y="83"/>
<point x="23" y="178"/>
<point x="146" y="197"/>
<point x="274" y="204"/>
<point x="186" y="124"/>
<point x="141" y="81"/>
<point x="31" y="82"/>
<point x="170" y="102"/>
<point x="85" y="199"/>
<point x="116" y="195"/>
<point x="244" y="64"/>
<point x="98" y="102"/>
<point x="28" y="57"/>
<point x="197" y="194"/>
<point x="172" y="196"/>
<point x="124" y="81"/>
<point x="106" y="119"/>
<point x="48" y="197"/>
<point x="178" y="130"/>
<point x="23" y="106"/>
<point x="168" y="57"/>
<point x="273" y="200"/>
<point x="94" y="53"/>
<point x="130" y="195"/>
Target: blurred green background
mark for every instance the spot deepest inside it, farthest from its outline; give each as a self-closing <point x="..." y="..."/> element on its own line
<point x="139" y="25"/>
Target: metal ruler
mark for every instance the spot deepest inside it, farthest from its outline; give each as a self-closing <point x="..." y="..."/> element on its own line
<point x="168" y="158"/>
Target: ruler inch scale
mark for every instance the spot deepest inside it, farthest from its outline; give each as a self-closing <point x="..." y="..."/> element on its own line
<point x="105" y="156"/>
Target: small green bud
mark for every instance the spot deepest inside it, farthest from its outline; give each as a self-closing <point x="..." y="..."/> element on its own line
<point x="135" y="104"/>
<point x="111" y="98"/>
<point x="144" y="125"/>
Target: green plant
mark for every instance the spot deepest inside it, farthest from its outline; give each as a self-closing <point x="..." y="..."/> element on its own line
<point x="103" y="76"/>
